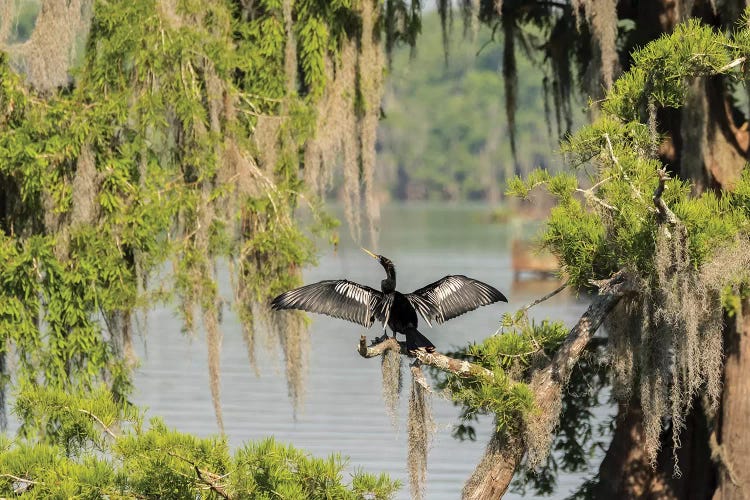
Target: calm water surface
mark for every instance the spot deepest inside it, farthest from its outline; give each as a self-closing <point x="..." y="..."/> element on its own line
<point x="343" y="409"/>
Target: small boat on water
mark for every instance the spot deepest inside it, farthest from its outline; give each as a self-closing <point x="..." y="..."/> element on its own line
<point x="527" y="257"/>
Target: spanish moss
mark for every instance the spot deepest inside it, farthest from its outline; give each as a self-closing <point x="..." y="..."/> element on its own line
<point x="390" y="365"/>
<point x="420" y="428"/>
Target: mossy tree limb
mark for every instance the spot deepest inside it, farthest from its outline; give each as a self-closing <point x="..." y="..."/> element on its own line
<point x="459" y="367"/>
<point x="495" y="471"/>
<point x="507" y="446"/>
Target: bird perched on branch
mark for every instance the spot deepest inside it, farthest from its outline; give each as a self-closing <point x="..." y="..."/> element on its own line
<point x="440" y="301"/>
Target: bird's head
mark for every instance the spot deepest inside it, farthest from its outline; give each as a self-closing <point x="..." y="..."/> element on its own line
<point x="390" y="269"/>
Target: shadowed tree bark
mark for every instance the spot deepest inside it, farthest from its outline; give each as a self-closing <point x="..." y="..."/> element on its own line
<point x="625" y="471"/>
<point x="732" y="450"/>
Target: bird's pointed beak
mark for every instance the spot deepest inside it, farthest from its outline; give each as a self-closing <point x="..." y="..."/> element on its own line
<point x="370" y="253"/>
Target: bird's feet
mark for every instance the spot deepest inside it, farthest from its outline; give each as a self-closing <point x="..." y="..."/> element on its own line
<point x="414" y="350"/>
<point x="380" y="339"/>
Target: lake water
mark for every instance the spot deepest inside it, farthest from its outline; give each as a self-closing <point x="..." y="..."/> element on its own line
<point x="343" y="411"/>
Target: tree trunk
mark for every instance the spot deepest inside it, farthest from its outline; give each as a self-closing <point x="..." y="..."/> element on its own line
<point x="698" y="475"/>
<point x="626" y="472"/>
<point x="714" y="149"/>
<point x="495" y="471"/>
<point x="733" y="449"/>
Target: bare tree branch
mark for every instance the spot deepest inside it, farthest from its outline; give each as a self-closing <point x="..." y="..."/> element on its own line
<point x="99" y="421"/>
<point x="416" y="372"/>
<point x="732" y="64"/>
<point x="664" y="212"/>
<point x="20" y="479"/>
<point x="546" y="297"/>
<point x="459" y="367"/>
<point x="211" y="481"/>
<point x="614" y="159"/>
<point x="208" y="478"/>
<point x="589" y="195"/>
<point x="610" y="293"/>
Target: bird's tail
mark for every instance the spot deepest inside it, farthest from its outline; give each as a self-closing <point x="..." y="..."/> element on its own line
<point x="415" y="340"/>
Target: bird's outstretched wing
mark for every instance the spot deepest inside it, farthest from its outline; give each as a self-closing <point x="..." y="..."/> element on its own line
<point x="453" y="296"/>
<point x="338" y="298"/>
<point x="426" y="309"/>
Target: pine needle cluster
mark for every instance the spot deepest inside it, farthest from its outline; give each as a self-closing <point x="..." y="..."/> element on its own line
<point x="95" y="447"/>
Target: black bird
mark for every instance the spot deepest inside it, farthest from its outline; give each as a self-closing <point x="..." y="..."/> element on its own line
<point x="440" y="301"/>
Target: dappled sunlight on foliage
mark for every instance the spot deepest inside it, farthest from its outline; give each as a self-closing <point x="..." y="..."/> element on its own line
<point x="183" y="136"/>
<point x="94" y="446"/>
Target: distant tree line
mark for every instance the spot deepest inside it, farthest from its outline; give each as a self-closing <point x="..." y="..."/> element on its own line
<point x="445" y="134"/>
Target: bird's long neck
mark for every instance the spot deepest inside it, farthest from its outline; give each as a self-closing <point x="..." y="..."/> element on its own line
<point x="388" y="285"/>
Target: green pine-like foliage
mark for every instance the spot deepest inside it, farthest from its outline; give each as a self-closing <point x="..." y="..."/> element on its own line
<point x="509" y="356"/>
<point x="665" y="342"/>
<point x="613" y="224"/>
<point x="182" y="138"/>
<point x="95" y="447"/>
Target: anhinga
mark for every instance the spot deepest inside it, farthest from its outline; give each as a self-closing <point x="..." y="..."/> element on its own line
<point x="440" y="301"/>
